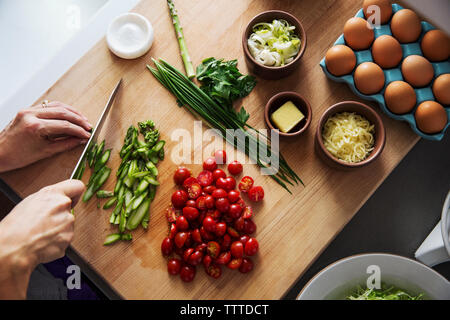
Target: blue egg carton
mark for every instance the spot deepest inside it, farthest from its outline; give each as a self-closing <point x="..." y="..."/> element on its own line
<point x="394" y="74"/>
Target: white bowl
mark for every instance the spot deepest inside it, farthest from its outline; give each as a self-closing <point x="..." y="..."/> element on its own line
<point x="341" y="278"/>
<point x="130" y="35"/>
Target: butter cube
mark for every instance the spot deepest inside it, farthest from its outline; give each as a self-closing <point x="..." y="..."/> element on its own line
<point x="287" y="117"/>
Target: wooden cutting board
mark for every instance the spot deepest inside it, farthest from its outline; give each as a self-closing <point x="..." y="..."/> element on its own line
<point x="292" y="229"/>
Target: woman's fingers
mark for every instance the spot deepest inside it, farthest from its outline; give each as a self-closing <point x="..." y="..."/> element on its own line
<point x="71" y="188"/>
<point x="61" y="113"/>
<point x="58" y="128"/>
<point x="66" y="144"/>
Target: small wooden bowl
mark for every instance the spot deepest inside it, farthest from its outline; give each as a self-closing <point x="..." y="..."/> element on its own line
<point x="358" y="108"/>
<point x="273" y="73"/>
<point x="301" y="103"/>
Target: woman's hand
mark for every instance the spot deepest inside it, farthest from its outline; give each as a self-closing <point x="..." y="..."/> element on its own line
<point x="38" y="132"/>
<point x="37" y="230"/>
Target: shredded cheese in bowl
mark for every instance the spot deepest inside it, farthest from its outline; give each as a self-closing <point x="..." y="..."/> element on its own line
<point x="348" y="136"/>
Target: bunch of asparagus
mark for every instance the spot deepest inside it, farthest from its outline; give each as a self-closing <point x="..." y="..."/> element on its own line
<point x="136" y="180"/>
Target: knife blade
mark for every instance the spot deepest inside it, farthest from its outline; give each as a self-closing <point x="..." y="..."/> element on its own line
<point x="98" y="127"/>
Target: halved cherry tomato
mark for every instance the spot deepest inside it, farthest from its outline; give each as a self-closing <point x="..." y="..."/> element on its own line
<point x="245" y="184"/>
<point x="213" y="249"/>
<point x="235" y="168"/>
<point x="241" y="203"/>
<point x="195" y="258"/>
<point x="224" y="257"/>
<point x="171" y="214"/>
<point x="194" y="191"/>
<point x="174" y="266"/>
<point x="237" y="249"/>
<point x="173" y="231"/>
<point x="201" y="203"/>
<point x="205" y="178"/>
<point x="249" y="226"/>
<point x="209" y="224"/>
<point x="188" y="182"/>
<point x="196" y="236"/>
<point x="220" y="156"/>
<point x="182" y="223"/>
<point x="179" y="198"/>
<point x="234" y="263"/>
<point x="256" y="193"/>
<point x="234" y="196"/>
<point x="167" y="246"/>
<point x="251" y="247"/>
<point x="180" y="239"/>
<point x="201" y="247"/>
<point x="213" y="270"/>
<point x="235" y="211"/>
<point x="219" y="173"/>
<point x="181" y="174"/>
<point x="187" y="273"/>
<point x="246" y="266"/>
<point x="222" y="204"/>
<point x="207" y="260"/>
<point x="210" y="164"/>
<point x="221" y="229"/>
<point x="232" y="232"/>
<point x="247" y="213"/>
<point x="219" y="193"/>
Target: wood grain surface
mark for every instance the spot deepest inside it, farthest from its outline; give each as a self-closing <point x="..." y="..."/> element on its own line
<point x="292" y="229"/>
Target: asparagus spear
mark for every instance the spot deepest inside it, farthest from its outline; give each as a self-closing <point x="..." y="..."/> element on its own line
<point x="180" y="36"/>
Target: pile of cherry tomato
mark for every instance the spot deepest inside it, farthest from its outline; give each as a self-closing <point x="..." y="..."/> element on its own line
<point x="209" y="222"/>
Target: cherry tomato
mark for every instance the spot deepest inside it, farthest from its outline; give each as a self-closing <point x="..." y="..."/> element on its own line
<point x="237" y="249"/>
<point x="216" y="215"/>
<point x="239" y="224"/>
<point x="201" y="247"/>
<point x="234" y="263"/>
<point x="235" y="211"/>
<point x="209" y="202"/>
<point x="174" y="266"/>
<point x="187" y="273"/>
<point x="234" y="196"/>
<point x="171" y="214"/>
<point x="222" y="204"/>
<point x="256" y="193"/>
<point x="232" y="232"/>
<point x="206" y="235"/>
<point x="194" y="191"/>
<point x="219" y="193"/>
<point x="226" y="242"/>
<point x="224" y="257"/>
<point x="209" y="189"/>
<point x="173" y="230"/>
<point x="235" y="168"/>
<point x="247" y="213"/>
<point x="167" y="246"/>
<point x="210" y="164"/>
<point x="182" y="223"/>
<point x="241" y="203"/>
<point x="180" y="239"/>
<point x="209" y="224"/>
<point x="221" y="183"/>
<point x="195" y="258"/>
<point x="191" y="203"/>
<point x="221" y="229"/>
<point x="249" y="226"/>
<point x="207" y="260"/>
<point x="244" y="238"/>
<point x="196" y="236"/>
<point x="179" y="198"/>
<point x="230" y="183"/>
<point x="188" y="242"/>
<point x="245" y="184"/>
<point x="246" y="266"/>
<point x="205" y="178"/>
<point x="187" y="253"/>
<point x="220" y="156"/>
<point x="181" y="174"/>
<point x="213" y="270"/>
<point x="251" y="247"/>
<point x="219" y="173"/>
<point x="188" y="182"/>
<point x="213" y="249"/>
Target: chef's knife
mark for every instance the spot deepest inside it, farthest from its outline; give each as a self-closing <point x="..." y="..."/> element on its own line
<point x="97" y="129"/>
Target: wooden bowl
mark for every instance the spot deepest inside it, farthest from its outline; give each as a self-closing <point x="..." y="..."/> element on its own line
<point x="273" y="73"/>
<point x="301" y="103"/>
<point x="358" y="108"/>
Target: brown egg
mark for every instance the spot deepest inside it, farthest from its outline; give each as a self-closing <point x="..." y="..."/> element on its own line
<point x="400" y="97"/>
<point x="435" y="45"/>
<point x="340" y="60"/>
<point x="387" y="51"/>
<point x="430" y="117"/>
<point x="385" y="9"/>
<point x="357" y="33"/>
<point x="405" y="26"/>
<point x="369" y="78"/>
<point x="441" y="88"/>
<point x="417" y="70"/>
